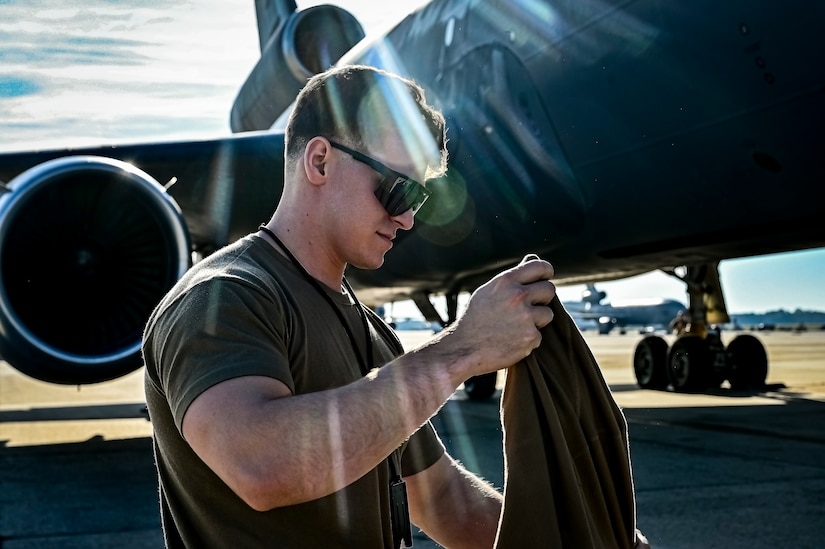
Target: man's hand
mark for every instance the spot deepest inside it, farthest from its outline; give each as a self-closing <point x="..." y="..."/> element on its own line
<point x="503" y="317"/>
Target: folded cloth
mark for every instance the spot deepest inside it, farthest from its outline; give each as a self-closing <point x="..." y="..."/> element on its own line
<point x="567" y="479"/>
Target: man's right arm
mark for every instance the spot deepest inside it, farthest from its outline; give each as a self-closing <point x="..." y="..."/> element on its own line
<point x="275" y="449"/>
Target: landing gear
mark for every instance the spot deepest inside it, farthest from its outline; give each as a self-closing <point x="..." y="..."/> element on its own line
<point x="481" y="387"/>
<point x="748" y="362"/>
<point x="688" y="363"/>
<point x="698" y="360"/>
<point x="695" y="363"/>
<point x="649" y="363"/>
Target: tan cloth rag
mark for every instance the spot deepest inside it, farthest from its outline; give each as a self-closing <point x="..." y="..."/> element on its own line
<point x="568" y="480"/>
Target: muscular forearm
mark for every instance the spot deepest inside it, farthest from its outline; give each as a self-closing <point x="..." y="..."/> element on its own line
<point x="347" y="431"/>
<point x="453" y="506"/>
<point x="281" y="450"/>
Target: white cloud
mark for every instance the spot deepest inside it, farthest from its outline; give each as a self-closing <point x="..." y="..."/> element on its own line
<point x="110" y="72"/>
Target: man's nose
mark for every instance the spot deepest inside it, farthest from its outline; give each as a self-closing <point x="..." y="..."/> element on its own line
<point x="406" y="219"/>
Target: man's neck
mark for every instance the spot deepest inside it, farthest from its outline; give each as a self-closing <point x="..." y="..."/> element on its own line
<point x="296" y="248"/>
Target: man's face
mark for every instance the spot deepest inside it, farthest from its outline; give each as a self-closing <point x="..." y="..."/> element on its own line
<point x="396" y="191"/>
<point x="364" y="230"/>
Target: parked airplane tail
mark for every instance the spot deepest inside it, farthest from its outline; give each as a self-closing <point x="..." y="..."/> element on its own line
<point x="302" y="44"/>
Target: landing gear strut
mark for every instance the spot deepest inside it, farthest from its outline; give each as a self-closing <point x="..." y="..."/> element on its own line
<point x="698" y="359"/>
<point x="649" y="363"/>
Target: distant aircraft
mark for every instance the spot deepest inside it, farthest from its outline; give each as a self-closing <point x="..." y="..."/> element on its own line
<point x="648" y="314"/>
<point x="612" y="138"/>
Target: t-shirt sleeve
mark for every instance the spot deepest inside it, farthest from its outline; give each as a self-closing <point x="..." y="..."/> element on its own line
<point x="220" y="330"/>
<point x="423" y="449"/>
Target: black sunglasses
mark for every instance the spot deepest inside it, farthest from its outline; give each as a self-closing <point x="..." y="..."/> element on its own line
<point x="396" y="192"/>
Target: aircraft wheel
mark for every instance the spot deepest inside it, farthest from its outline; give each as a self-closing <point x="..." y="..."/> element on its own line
<point x="481" y="387"/>
<point x="748" y="362"/>
<point x="688" y="364"/>
<point x="650" y="363"/>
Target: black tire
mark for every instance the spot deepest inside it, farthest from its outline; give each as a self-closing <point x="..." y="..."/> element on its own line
<point x="650" y="363"/>
<point x="688" y="364"/>
<point x="481" y="387"/>
<point x="748" y="362"/>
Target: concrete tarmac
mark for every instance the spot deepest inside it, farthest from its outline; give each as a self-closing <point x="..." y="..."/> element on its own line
<point x="720" y="469"/>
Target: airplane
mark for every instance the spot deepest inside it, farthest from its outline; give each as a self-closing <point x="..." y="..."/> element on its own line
<point x="611" y="138"/>
<point x="649" y="314"/>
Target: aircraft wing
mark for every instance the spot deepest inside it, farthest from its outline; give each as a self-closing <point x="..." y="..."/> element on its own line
<point x="612" y="138"/>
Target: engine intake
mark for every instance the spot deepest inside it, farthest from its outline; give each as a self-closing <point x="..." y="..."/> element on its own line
<point x="88" y="247"/>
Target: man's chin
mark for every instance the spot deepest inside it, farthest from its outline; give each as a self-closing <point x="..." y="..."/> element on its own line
<point x="369" y="265"/>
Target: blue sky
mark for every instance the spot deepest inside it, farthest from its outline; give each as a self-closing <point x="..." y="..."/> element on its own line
<point x="88" y="72"/>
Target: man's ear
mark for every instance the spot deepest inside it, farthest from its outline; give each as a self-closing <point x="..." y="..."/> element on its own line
<point x="316" y="160"/>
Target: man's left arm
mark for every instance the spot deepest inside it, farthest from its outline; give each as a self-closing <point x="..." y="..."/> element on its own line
<point x="453" y="506"/>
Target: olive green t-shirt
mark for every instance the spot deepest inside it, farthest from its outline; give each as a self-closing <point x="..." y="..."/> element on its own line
<point x="247" y="310"/>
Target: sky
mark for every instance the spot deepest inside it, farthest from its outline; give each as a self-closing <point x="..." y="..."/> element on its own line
<point x="91" y="72"/>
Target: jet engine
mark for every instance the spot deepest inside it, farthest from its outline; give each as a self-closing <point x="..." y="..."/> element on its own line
<point x="305" y="43"/>
<point x="88" y="247"/>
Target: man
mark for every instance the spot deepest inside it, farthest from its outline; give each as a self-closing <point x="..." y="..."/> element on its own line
<point x="281" y="415"/>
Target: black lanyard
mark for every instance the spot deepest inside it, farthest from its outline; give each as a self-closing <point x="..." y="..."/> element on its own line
<point x="365" y="364"/>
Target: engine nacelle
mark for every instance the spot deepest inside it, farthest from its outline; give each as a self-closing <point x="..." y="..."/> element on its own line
<point x="88" y="247"/>
<point x="307" y="43"/>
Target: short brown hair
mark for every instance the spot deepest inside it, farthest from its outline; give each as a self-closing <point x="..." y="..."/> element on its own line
<point x="344" y="102"/>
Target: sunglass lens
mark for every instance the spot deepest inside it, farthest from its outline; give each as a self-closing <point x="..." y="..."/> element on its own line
<point x="404" y="195"/>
